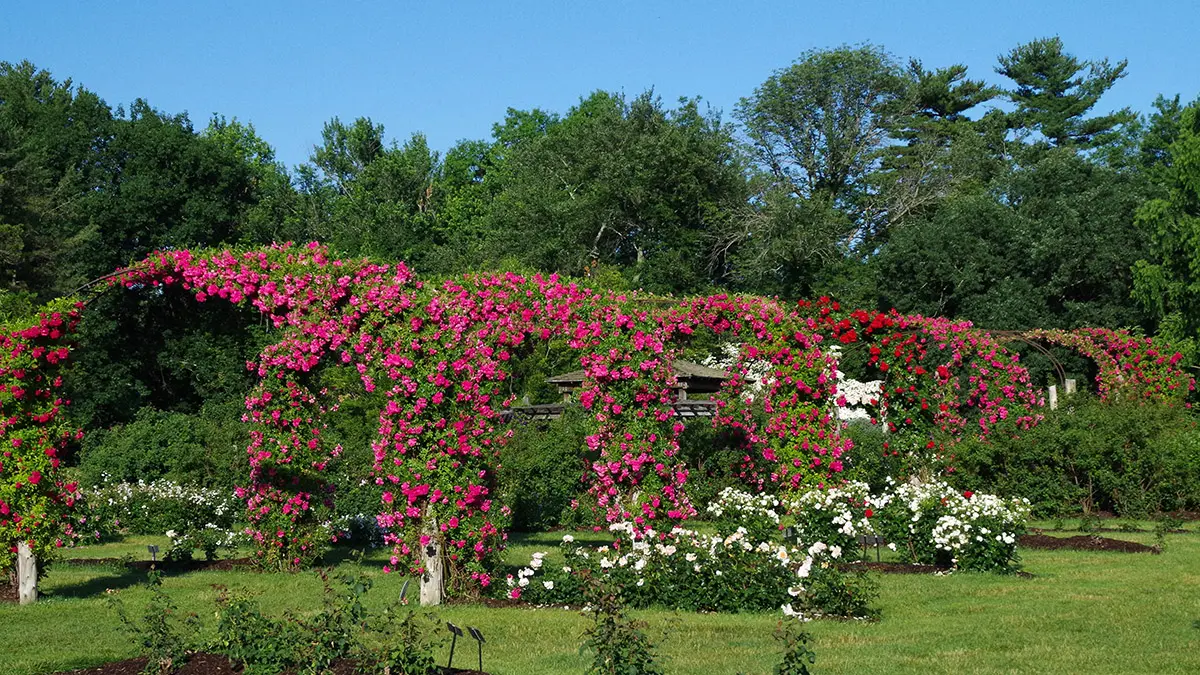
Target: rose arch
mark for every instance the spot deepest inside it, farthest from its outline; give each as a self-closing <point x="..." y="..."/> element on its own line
<point x="438" y="355"/>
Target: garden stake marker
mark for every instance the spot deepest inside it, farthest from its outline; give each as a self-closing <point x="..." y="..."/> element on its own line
<point x="153" y="549"/>
<point x="478" y="638"/>
<point x="456" y="631"/>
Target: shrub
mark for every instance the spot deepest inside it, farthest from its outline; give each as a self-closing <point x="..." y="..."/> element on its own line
<point x="1130" y="458"/>
<point x="934" y="524"/>
<point x="756" y="514"/>
<point x="687" y="570"/>
<point x="155" y="507"/>
<point x="209" y="539"/>
<point x="929" y="523"/>
<point x="542" y="470"/>
<point x="344" y="628"/>
<point x="837" y="516"/>
<point x="797" y="655"/>
<point x="162" y="634"/>
<point x="618" y="644"/>
<point x="207" y="449"/>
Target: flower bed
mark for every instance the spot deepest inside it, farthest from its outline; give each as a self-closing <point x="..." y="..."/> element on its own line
<point x="928" y="523"/>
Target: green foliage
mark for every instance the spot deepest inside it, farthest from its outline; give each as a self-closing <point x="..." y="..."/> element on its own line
<point x="205" y="449"/>
<point x="163" y="635"/>
<point x="1125" y="457"/>
<point x="343" y="628"/>
<point x="154" y="507"/>
<point x="618" y="644"/>
<point x="817" y="123"/>
<point x="797" y="655"/>
<point x="1019" y="262"/>
<point x="410" y="649"/>
<point x="871" y="459"/>
<point x="542" y="472"/>
<point x="262" y="645"/>
<point x="834" y="592"/>
<point x="1053" y="93"/>
<point x="622" y="182"/>
<point x="1168" y="282"/>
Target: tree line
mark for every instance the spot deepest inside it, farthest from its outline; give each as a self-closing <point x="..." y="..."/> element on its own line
<point x="1016" y="203"/>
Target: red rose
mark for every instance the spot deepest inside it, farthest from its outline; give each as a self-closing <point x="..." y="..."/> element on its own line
<point x="968" y="494"/>
<point x="869" y="513"/>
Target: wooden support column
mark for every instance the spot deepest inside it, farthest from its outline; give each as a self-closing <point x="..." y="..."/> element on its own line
<point x="1070" y="387"/>
<point x="1053" y="396"/>
<point x="433" y="580"/>
<point x="26" y="574"/>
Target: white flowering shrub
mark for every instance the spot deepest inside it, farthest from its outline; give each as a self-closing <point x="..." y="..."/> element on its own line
<point x="154" y="508"/>
<point x="933" y="523"/>
<point x="209" y="539"/>
<point x="835" y="515"/>
<point x="683" y="569"/>
<point x="756" y="514"/>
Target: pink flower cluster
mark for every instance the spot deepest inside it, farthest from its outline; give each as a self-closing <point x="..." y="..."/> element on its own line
<point x="435" y="361"/>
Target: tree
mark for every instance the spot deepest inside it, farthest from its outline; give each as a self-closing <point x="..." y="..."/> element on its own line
<point x="817" y="125"/>
<point x="1167" y="283"/>
<point x="815" y="131"/>
<point x="1054" y="94"/>
<point x="48" y="130"/>
<point x="938" y="148"/>
<point x="1049" y="245"/>
<point x="615" y="182"/>
<point x="273" y="214"/>
<point x="346" y="151"/>
<point x="160" y="185"/>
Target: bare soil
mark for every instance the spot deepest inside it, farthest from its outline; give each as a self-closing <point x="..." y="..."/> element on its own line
<point x="1084" y="542"/>
<point x="212" y="664"/>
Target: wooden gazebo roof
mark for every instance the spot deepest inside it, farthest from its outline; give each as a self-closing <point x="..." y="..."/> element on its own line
<point x="693" y="377"/>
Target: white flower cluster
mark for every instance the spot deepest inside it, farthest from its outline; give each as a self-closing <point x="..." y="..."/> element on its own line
<point x="212" y="534"/>
<point x="854" y="397"/>
<point x="641" y="557"/>
<point x="734" y="503"/>
<point x="836" y="504"/>
<point x="142" y="495"/>
<point x="757" y="372"/>
<point x="936" y="523"/>
<point x="957" y="529"/>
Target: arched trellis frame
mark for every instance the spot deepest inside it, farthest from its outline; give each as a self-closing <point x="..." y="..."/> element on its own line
<point x="440" y="354"/>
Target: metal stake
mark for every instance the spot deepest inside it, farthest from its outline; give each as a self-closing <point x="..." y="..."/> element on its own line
<point x="479" y="639"/>
<point x="455" y="631"/>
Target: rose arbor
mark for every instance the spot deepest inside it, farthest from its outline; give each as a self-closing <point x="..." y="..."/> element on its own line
<point x="438" y="356"/>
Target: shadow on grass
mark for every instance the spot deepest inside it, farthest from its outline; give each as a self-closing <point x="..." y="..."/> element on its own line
<point x="118" y="578"/>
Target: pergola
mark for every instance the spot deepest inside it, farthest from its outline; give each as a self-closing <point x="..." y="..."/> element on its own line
<point x="691" y="378"/>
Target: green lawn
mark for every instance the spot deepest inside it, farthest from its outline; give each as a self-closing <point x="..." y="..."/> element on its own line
<point x="1081" y="613"/>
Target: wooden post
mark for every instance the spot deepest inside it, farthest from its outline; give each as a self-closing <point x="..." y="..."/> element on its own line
<point x="1070" y="388"/>
<point x="1053" y="397"/>
<point x="26" y="574"/>
<point x="432" y="581"/>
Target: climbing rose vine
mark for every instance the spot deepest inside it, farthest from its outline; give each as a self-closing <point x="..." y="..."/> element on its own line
<point x="436" y="359"/>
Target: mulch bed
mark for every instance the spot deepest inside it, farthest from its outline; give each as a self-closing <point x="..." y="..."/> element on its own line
<point x="1084" y="543"/>
<point x="165" y="565"/>
<point x="212" y="664"/>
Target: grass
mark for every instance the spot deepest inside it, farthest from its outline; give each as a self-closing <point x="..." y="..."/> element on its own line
<point x="1081" y="613"/>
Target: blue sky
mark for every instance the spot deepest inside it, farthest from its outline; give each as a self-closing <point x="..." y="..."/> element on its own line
<point x="451" y="69"/>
